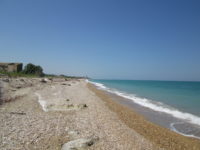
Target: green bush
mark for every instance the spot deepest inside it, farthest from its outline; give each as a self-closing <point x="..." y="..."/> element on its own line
<point x="33" y="69"/>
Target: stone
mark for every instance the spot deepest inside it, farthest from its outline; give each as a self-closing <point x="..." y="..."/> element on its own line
<point x="73" y="133"/>
<point x="67" y="129"/>
<point x="18" y="86"/>
<point x="2" y="75"/>
<point x="58" y="80"/>
<point x="70" y="106"/>
<point x="6" y="80"/>
<point x="18" y="113"/>
<point x="82" y="106"/>
<point x="50" y="79"/>
<point x="22" y="80"/>
<point x="79" y="144"/>
<point x="43" y="81"/>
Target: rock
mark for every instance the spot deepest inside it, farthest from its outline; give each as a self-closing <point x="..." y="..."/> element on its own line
<point x="2" y="74"/>
<point x="43" y="81"/>
<point x="50" y="106"/>
<point x="79" y="144"/>
<point x="70" y="106"/>
<point x="6" y="80"/>
<point x="50" y="79"/>
<point x="82" y="106"/>
<point x="18" y="86"/>
<point x="73" y="133"/>
<point x="67" y="129"/>
<point x="58" y="80"/>
<point x="22" y="80"/>
<point x="18" y="113"/>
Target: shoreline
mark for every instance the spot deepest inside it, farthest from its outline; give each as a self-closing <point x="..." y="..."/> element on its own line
<point x="162" y="114"/>
<point x="158" y="118"/>
<point x="162" y="137"/>
<point x="60" y="113"/>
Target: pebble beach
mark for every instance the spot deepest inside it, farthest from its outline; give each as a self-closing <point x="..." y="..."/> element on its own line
<point x="61" y="114"/>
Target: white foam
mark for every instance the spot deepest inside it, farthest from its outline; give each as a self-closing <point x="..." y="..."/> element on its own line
<point x="43" y="103"/>
<point x="156" y="106"/>
<point x="99" y="85"/>
<point x="175" y="130"/>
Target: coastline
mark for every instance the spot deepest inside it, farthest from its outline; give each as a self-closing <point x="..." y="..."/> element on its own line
<point x="162" y="137"/>
<point x="60" y="114"/>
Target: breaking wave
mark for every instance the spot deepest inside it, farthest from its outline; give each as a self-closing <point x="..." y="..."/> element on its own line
<point x="156" y="106"/>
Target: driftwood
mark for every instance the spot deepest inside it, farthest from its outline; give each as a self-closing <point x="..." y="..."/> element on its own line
<point x="18" y="113"/>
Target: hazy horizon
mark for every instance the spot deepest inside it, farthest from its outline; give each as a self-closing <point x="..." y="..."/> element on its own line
<point x="146" y="80"/>
<point x="134" y="40"/>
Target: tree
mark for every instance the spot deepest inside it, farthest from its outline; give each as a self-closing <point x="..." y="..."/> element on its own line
<point x="33" y="69"/>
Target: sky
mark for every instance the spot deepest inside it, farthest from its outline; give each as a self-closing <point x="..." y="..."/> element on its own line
<point x="104" y="39"/>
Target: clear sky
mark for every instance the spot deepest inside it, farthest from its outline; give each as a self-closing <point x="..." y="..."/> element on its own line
<point x="120" y="39"/>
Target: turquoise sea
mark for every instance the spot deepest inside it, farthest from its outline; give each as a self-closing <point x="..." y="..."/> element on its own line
<point x="178" y="99"/>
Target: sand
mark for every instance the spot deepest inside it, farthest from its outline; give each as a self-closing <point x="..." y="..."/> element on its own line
<point x="57" y="114"/>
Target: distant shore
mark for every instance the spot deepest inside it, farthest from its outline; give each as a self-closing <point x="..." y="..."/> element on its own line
<point x="162" y="137"/>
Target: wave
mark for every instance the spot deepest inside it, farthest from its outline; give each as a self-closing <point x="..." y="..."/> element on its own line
<point x="156" y="106"/>
<point x="172" y="127"/>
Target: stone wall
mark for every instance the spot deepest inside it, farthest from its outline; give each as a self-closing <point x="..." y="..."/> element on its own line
<point x="11" y="67"/>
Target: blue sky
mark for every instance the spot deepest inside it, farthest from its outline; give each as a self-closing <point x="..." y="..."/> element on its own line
<point x="120" y="39"/>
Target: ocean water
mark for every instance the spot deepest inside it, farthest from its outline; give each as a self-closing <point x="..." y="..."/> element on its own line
<point x="177" y="99"/>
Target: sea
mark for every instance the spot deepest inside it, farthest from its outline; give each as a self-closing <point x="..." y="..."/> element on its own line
<point x="171" y="104"/>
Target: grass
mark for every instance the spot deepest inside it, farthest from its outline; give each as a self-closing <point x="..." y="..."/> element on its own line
<point x="17" y="74"/>
<point x="21" y="74"/>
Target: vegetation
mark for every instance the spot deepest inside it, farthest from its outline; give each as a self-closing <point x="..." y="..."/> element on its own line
<point x="64" y="76"/>
<point x="33" y="69"/>
<point x="30" y="70"/>
<point x="16" y="74"/>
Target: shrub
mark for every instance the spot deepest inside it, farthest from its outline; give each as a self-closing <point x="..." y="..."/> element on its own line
<point x="33" y="69"/>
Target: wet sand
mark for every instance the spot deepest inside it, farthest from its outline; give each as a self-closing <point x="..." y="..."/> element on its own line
<point x="162" y="119"/>
<point x="162" y="137"/>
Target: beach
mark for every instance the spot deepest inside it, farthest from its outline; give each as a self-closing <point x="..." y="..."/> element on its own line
<point x="162" y="137"/>
<point x="56" y="113"/>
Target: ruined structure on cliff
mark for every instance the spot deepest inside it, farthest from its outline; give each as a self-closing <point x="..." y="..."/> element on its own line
<point x="11" y="67"/>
